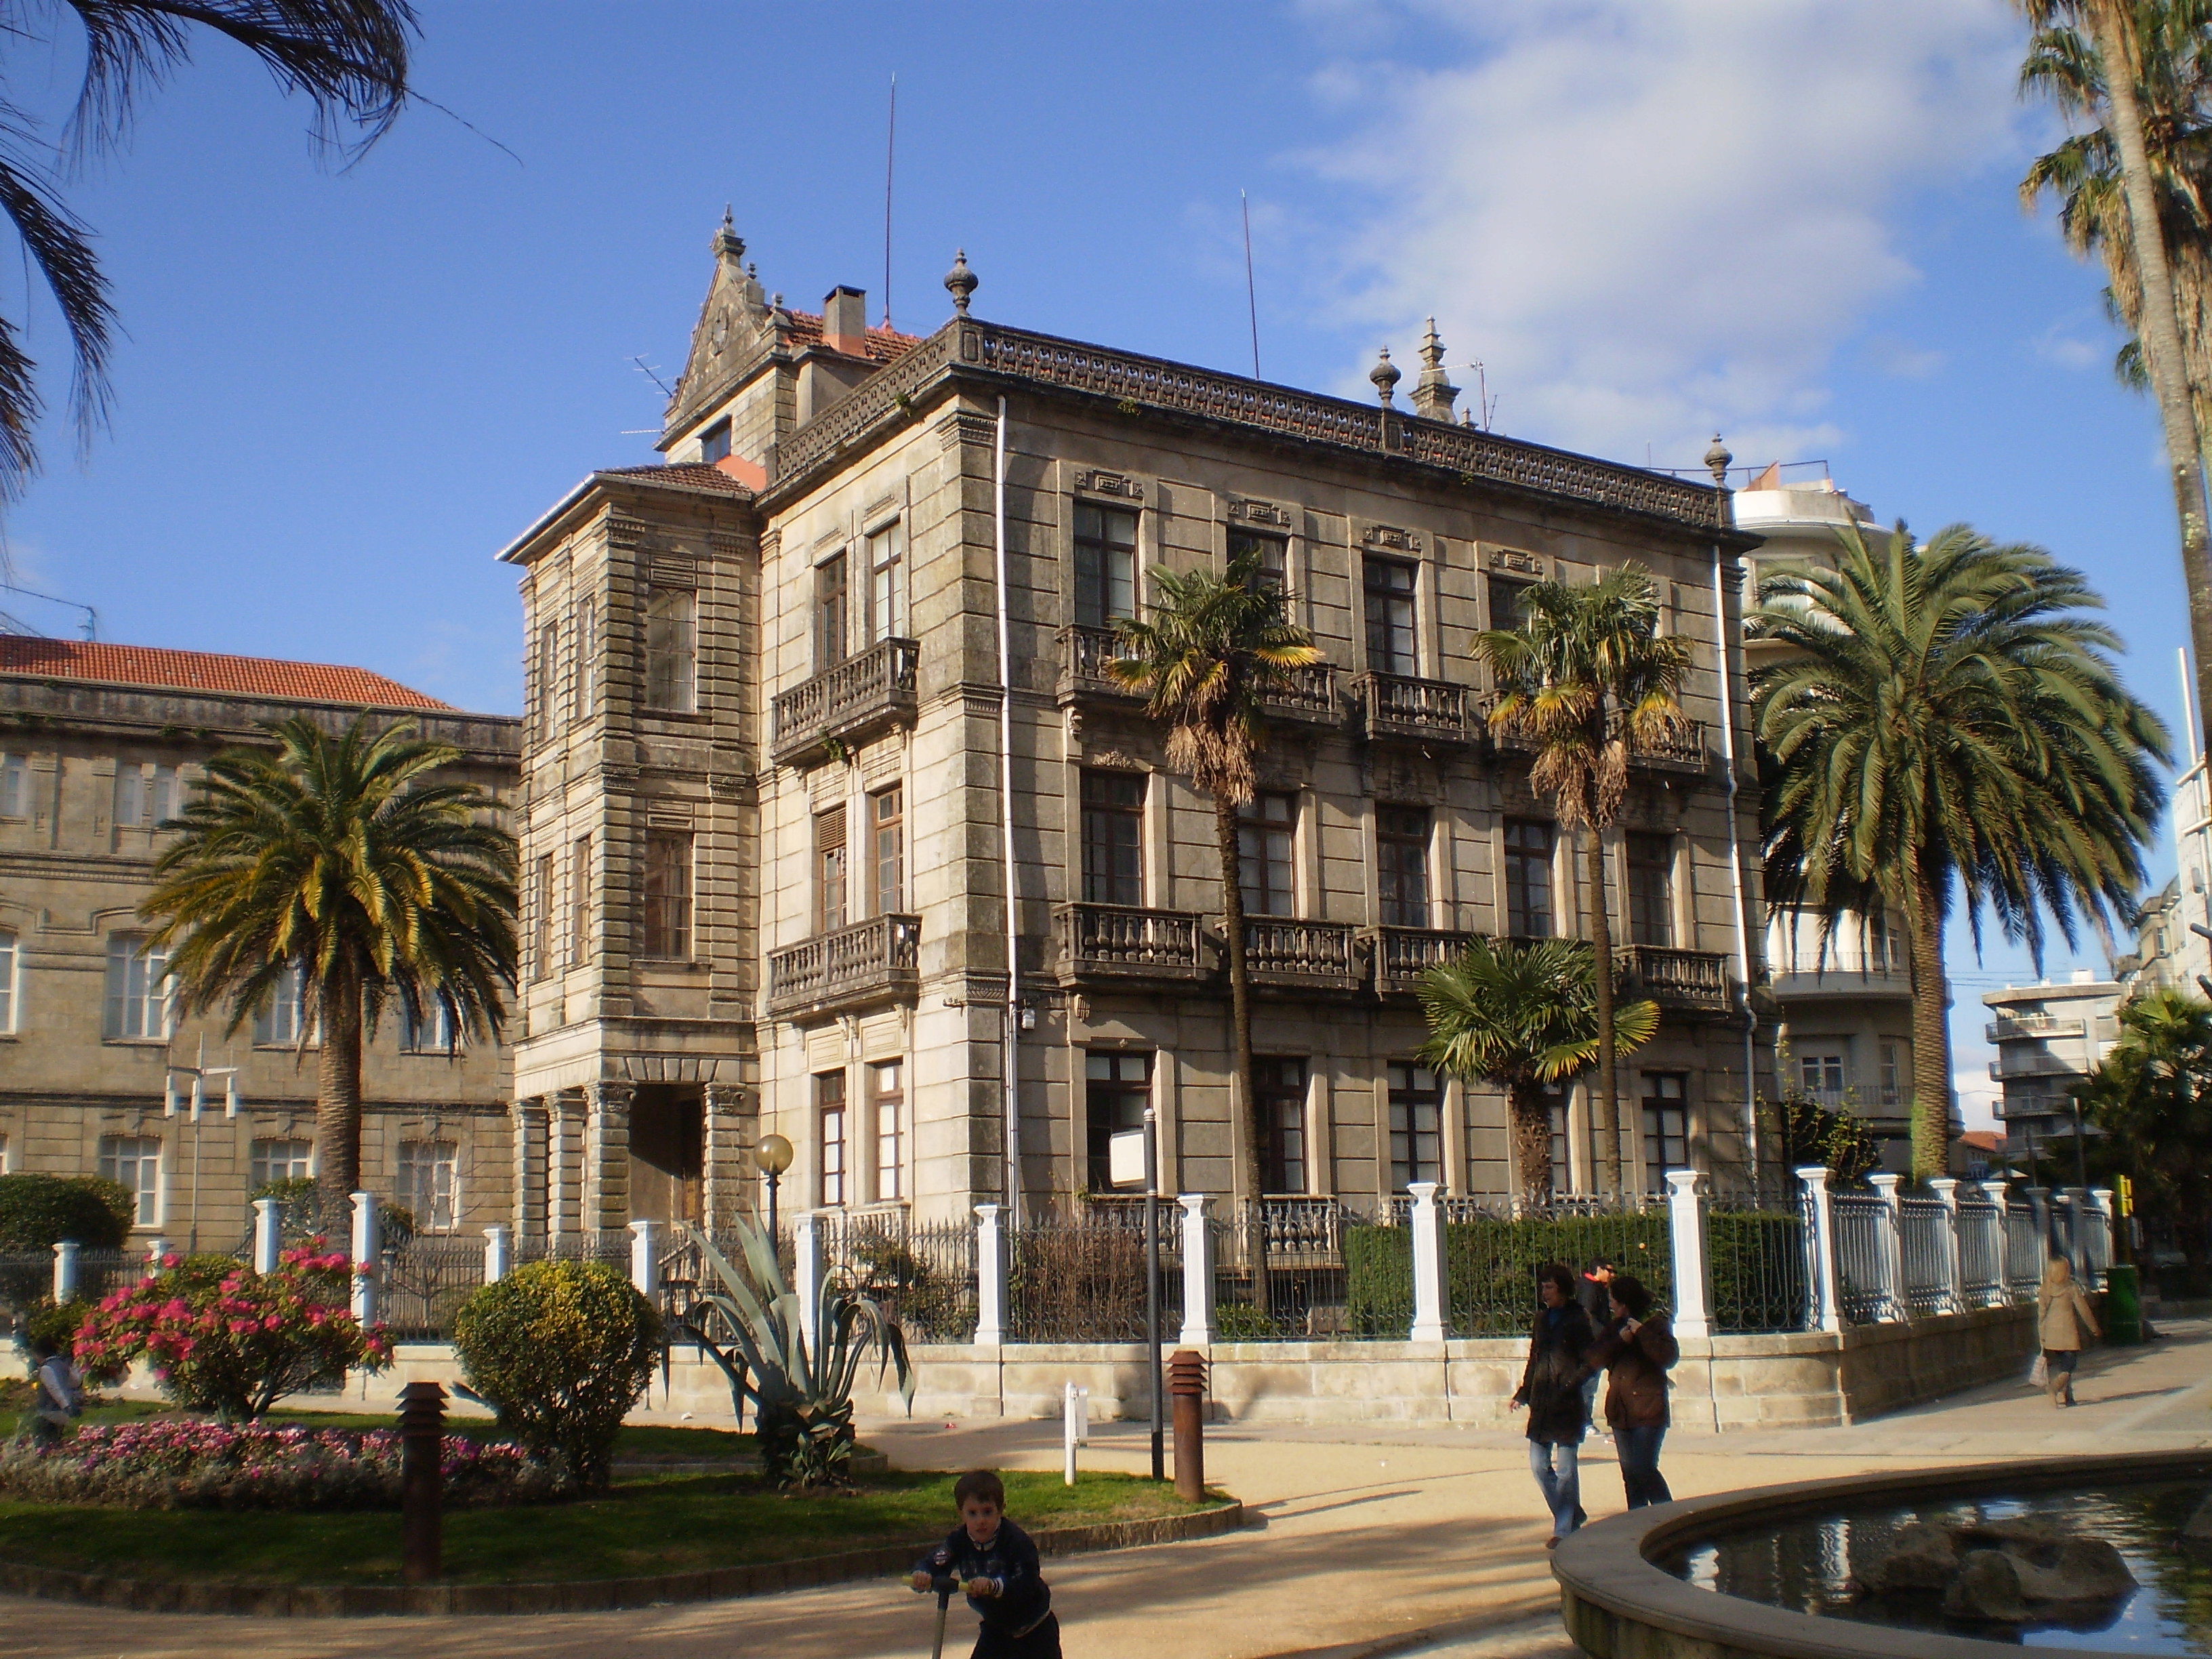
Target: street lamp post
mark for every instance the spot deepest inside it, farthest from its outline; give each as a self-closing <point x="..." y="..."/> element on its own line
<point x="773" y="1156"/>
<point x="201" y="1074"/>
<point x="1153" y="1281"/>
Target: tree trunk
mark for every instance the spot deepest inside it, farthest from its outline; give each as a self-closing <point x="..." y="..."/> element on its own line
<point x="2159" y="331"/>
<point x="338" y="1105"/>
<point x="1531" y="1119"/>
<point x="1931" y="1038"/>
<point x="1609" y="1125"/>
<point x="1249" y="1134"/>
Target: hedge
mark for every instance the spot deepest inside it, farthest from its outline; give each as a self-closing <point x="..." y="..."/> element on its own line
<point x="38" y="1212"/>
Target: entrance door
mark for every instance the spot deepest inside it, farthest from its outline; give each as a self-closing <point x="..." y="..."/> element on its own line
<point x="667" y="1152"/>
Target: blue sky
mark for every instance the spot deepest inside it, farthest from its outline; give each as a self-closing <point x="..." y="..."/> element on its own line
<point x="342" y="392"/>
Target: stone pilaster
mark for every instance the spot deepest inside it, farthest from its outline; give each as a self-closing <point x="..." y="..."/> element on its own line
<point x="606" y="1156"/>
<point x="533" y="1218"/>
<point x="732" y="1126"/>
<point x="564" y="1161"/>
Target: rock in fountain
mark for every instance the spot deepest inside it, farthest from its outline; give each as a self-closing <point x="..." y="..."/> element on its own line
<point x="2018" y="1570"/>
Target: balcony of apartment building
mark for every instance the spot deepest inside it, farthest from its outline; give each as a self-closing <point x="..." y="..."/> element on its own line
<point x="1287" y="953"/>
<point x="860" y="698"/>
<point x="1107" y="944"/>
<point x="2011" y="1028"/>
<point x="1692" y="983"/>
<point x="1402" y="709"/>
<point x="1810" y="961"/>
<point x="1311" y="698"/>
<point x="870" y="965"/>
<point x="2013" y="1063"/>
<point x="1400" y="956"/>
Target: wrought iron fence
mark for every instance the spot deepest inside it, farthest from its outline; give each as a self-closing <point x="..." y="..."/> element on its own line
<point x="2025" y="1248"/>
<point x="1758" y="1264"/>
<point x="1303" y="1292"/>
<point x="1923" y="1227"/>
<point x="611" y="1246"/>
<point x="1862" y="1242"/>
<point x="1981" y="1251"/>
<point x="1084" y="1281"/>
<point x="1491" y="1254"/>
<point x="922" y="1276"/>
<point x="424" y="1282"/>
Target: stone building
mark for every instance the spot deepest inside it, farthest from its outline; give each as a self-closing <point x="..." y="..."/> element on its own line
<point x="771" y="773"/>
<point x="98" y="743"/>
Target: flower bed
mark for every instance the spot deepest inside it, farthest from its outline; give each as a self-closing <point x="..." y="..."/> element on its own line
<point x="174" y="1464"/>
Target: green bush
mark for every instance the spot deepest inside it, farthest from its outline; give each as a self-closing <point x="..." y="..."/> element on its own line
<point x="1490" y="1267"/>
<point x="56" y="1323"/>
<point x="561" y="1350"/>
<point x="1378" y="1280"/>
<point x="38" y="1212"/>
<point x="1757" y="1260"/>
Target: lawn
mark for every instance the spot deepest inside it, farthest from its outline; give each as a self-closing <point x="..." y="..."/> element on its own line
<point x="658" y="1442"/>
<point x="645" y="1526"/>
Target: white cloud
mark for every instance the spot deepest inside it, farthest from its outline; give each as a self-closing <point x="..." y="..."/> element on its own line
<point x="2059" y="344"/>
<point x="1650" y="219"/>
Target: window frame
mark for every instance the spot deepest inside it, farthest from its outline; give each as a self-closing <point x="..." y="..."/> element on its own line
<point x="1286" y="1169"/>
<point x="833" y="869"/>
<point x="1379" y="600"/>
<point x="408" y="1169"/>
<point x="259" y="1160"/>
<point x="1651" y="913"/>
<point x="1105" y="1083"/>
<point x="14" y="785"/>
<point x="123" y="1007"/>
<point x="579" y="902"/>
<point x="1516" y="864"/>
<point x="671" y="649"/>
<point x="11" y="984"/>
<point x="1268" y="846"/>
<point x="666" y="933"/>
<point x="1104" y="568"/>
<point x="584" y="621"/>
<point x="887" y="851"/>
<point x="1652" y="1120"/>
<point x="1104" y="824"/>
<point x="886" y="580"/>
<point x="833" y="611"/>
<point x="1410" y="837"/>
<point x="550" y="687"/>
<point x="1274" y="549"/>
<point x="151" y="1196"/>
<point x="834" y="1168"/>
<point x="1410" y="1102"/>
<point x="545" y="876"/>
<point x="714" y="441"/>
<point x="282" y="1023"/>
<point x="887" y="1121"/>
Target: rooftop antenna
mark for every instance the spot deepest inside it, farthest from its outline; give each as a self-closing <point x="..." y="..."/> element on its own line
<point x="890" y="153"/>
<point x="89" y="627"/>
<point x="646" y="369"/>
<point x="1251" y="294"/>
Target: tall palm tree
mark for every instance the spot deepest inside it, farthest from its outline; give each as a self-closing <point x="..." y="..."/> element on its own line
<point x="1586" y="678"/>
<point x="349" y="57"/>
<point x="1521" y="1014"/>
<point x="2152" y="1096"/>
<point x="1946" y="728"/>
<point x="342" y="860"/>
<point x="1215" y="645"/>
<point x="2138" y="65"/>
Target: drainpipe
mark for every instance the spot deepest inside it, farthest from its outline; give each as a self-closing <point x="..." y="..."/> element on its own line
<point x="1010" y="1058"/>
<point x="1735" y="874"/>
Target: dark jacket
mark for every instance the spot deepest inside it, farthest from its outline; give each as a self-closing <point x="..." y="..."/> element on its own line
<point x="1024" y="1597"/>
<point x="1636" y="1369"/>
<point x="1551" y="1385"/>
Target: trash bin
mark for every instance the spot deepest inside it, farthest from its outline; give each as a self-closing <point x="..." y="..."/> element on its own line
<point x="2122" y="1304"/>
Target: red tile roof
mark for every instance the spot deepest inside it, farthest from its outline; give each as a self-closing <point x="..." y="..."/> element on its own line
<point x="204" y="671"/>
<point x="696" y="475"/>
<point x="884" y="345"/>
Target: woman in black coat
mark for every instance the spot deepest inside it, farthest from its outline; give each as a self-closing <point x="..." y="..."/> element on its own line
<point x="1552" y="1391"/>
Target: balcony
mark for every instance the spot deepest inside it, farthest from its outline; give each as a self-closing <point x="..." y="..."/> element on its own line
<point x="860" y="698"/>
<point x="1679" y="982"/>
<point x="2033" y="1064"/>
<point x="1301" y="956"/>
<point x="1398" y="707"/>
<point x="1403" y="954"/>
<point x="1103" y="944"/>
<point x="1683" y="750"/>
<point x="2010" y="1027"/>
<point x="865" y="966"/>
<point x="1084" y="652"/>
<point x="1311" y="696"/>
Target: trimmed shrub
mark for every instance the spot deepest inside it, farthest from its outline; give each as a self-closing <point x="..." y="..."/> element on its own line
<point x="1757" y="1259"/>
<point x="1378" y="1280"/>
<point x="56" y="1323"/>
<point x="561" y="1350"/>
<point x="1491" y="1268"/>
<point x="38" y="1212"/>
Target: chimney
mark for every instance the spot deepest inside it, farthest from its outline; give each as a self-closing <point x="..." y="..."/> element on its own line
<point x="845" y="320"/>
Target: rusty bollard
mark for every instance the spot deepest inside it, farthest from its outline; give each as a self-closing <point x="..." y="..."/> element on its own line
<point x="422" y="1482"/>
<point x="1187" y="1387"/>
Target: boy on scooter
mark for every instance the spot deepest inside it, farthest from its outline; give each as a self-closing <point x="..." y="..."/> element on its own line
<point x="995" y="1563"/>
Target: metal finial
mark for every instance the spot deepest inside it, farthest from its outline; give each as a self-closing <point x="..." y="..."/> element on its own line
<point x="1716" y="462"/>
<point x="1432" y="348"/>
<point x="1386" y="376"/>
<point x="728" y="243"/>
<point x="961" y="282"/>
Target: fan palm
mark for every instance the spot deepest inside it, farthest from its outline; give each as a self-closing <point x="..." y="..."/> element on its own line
<point x="1215" y="645"/>
<point x="340" y="859"/>
<point x="2152" y="1095"/>
<point x="1585" y="679"/>
<point x="1522" y="1015"/>
<point x="349" y="57"/>
<point x="1946" y="727"/>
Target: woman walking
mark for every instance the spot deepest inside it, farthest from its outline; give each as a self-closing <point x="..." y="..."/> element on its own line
<point x="2065" y="1324"/>
<point x="1552" y="1389"/>
<point x="1636" y="1350"/>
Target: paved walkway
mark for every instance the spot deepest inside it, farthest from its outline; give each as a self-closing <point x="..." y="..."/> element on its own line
<point x="1381" y="1539"/>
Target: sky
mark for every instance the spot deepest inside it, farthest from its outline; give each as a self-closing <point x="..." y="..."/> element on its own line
<point x="344" y="388"/>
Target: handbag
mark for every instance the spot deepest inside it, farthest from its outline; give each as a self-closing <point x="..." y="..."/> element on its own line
<point x="2039" y="1373"/>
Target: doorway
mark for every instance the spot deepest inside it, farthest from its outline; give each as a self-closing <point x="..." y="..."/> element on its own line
<point x="667" y="1152"/>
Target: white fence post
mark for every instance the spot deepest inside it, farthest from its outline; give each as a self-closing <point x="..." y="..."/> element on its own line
<point x="1946" y="1188"/>
<point x="268" y="1234"/>
<point x="1431" y="1287"/>
<point x="1198" y="1328"/>
<point x="1820" y="1245"/>
<point x="65" y="1270"/>
<point x="367" y="1245"/>
<point x="1686" y="1217"/>
<point x="1074" y="1424"/>
<point x="806" y="1276"/>
<point x="155" y="1249"/>
<point x="499" y="1253"/>
<point x="1893" y="1246"/>
<point x="990" y="1278"/>
<point x="2100" y="1226"/>
<point x="645" y="1257"/>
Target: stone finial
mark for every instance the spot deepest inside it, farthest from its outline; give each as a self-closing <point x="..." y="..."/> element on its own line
<point x="1433" y="393"/>
<point x="728" y="245"/>
<point x="1716" y="462"/>
<point x="961" y="282"/>
<point x="1385" y="375"/>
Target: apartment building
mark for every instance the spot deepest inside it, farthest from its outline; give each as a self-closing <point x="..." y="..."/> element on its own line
<point x="2049" y="1037"/>
<point x="98" y="743"/>
<point x="837" y="829"/>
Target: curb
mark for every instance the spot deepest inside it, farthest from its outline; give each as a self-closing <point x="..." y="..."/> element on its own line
<point x="582" y="1596"/>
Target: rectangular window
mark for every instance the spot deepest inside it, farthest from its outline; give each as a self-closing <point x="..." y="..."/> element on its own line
<point x="1822" y="1074"/>
<point x="135" y="1163"/>
<point x="542" y="933"/>
<point x="672" y="616"/>
<point x="1666" y="1127"/>
<point x="1272" y="552"/>
<point x="1389" y="594"/>
<point x="1113" y="837"/>
<point x="549" y="680"/>
<point x="279" y="1025"/>
<point x="1281" y="1092"/>
<point x="1893" y="1087"/>
<point x="138" y="991"/>
<point x="1264" y="836"/>
<point x="887" y="583"/>
<point x="830" y="871"/>
<point x="580" y="901"/>
<point x="1116" y="1089"/>
<point x="833" y="614"/>
<point x="887" y="1091"/>
<point x="429" y="1188"/>
<point x="1105" y="564"/>
<point x="668" y="894"/>
<point x="433" y="1034"/>
<point x="145" y="795"/>
<point x="281" y="1160"/>
<point x="887" y="827"/>
<point x="1562" y="1158"/>
<point x="15" y="787"/>
<point x="1401" y="854"/>
<point x="715" y="442"/>
<point x="1650" y="888"/>
<point x="583" y="679"/>
<point x="829" y="1104"/>
<point x="6" y="1168"/>
<point x="1528" y="879"/>
<point x="8" y="955"/>
<point x="1417" y="1111"/>
<point x="1504" y="602"/>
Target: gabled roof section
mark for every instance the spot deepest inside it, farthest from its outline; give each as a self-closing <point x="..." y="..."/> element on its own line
<point x="156" y="666"/>
<point x="692" y="477"/>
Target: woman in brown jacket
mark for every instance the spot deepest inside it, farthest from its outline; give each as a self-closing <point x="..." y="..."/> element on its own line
<point x="2065" y="1324"/>
<point x="1637" y="1350"/>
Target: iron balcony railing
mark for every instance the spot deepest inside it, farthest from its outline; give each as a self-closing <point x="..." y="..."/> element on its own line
<point x="1403" y="954"/>
<point x="1302" y="955"/>
<point x="856" y="699"/>
<point x="1693" y="981"/>
<point x="1420" y="711"/>
<point x="876" y="961"/>
<point x="1100" y="941"/>
<point x="2032" y="1025"/>
<point x="1683" y="749"/>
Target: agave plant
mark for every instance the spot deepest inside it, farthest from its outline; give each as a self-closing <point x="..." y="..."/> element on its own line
<point x="801" y="1395"/>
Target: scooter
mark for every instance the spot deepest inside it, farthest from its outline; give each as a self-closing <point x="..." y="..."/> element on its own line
<point x="946" y="1587"/>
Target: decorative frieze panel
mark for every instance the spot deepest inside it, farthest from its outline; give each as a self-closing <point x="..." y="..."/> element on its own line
<point x="1267" y="515"/>
<point x="1119" y="486"/>
<point x="1514" y="561"/>
<point x="1389" y="539"/>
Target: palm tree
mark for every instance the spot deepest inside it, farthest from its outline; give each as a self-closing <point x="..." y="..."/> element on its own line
<point x="1520" y="1015"/>
<point x="340" y="859"/>
<point x="2152" y="1096"/>
<point x="1947" y="728"/>
<point x="2139" y="64"/>
<point x="1585" y="679"/>
<point x="349" y="57"/>
<point x="1216" y="644"/>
